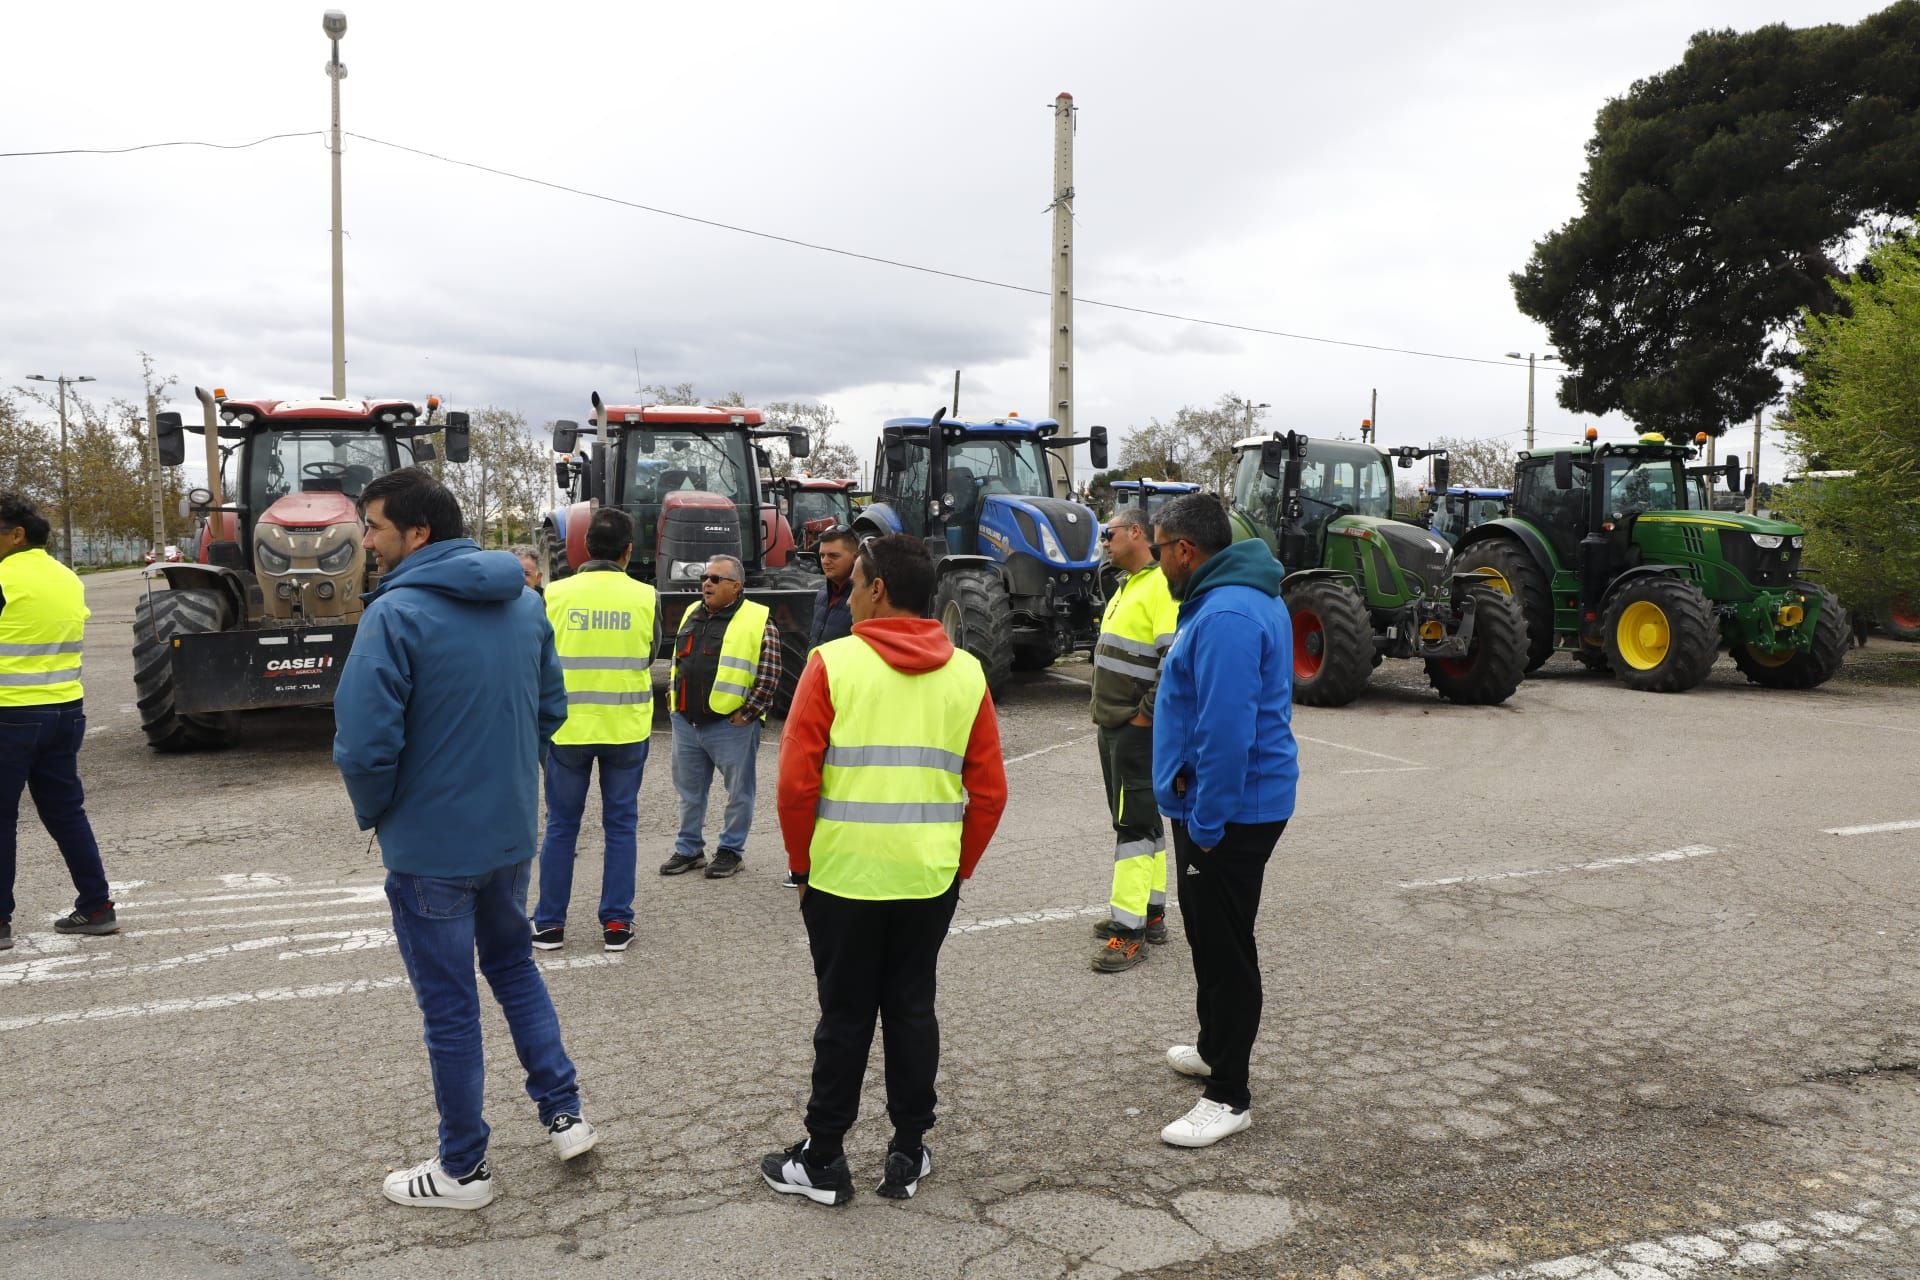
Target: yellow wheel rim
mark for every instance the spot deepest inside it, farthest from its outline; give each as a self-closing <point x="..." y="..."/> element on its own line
<point x="1495" y="579"/>
<point x="1644" y="635"/>
<point x="1766" y="659"/>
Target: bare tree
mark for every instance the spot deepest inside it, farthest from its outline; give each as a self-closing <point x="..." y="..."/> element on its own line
<point x="1480" y="464"/>
<point x="504" y="484"/>
<point x="827" y="457"/>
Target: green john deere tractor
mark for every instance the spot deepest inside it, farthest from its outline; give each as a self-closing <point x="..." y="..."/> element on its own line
<point x="1615" y="562"/>
<point x="1361" y="585"/>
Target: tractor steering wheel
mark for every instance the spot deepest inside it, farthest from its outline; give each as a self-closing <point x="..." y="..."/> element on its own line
<point x="325" y="470"/>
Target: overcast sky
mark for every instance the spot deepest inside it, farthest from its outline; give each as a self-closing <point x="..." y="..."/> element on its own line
<point x="1366" y="173"/>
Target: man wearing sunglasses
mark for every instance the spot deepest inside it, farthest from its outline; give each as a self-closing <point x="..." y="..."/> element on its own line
<point x="1135" y="631"/>
<point x="726" y="669"/>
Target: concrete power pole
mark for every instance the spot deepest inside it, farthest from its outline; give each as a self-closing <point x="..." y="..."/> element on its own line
<point x="1060" y="378"/>
<point x="1753" y="472"/>
<point x="156" y="477"/>
<point x="334" y="23"/>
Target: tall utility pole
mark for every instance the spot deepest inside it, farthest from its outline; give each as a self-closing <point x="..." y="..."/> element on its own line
<point x="1530" y="358"/>
<point x="1753" y="472"/>
<point x="155" y="477"/>
<point x="334" y="23"/>
<point x="66" y="499"/>
<point x="1060" y="376"/>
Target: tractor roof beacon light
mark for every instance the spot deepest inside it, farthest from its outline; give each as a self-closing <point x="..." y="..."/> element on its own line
<point x="1593" y="433"/>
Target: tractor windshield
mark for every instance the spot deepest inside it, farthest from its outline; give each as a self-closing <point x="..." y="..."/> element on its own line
<point x="1353" y="477"/>
<point x="283" y="462"/>
<point x="664" y="461"/>
<point x="998" y="464"/>
<point x="1254" y="491"/>
<point x="821" y="504"/>
<point x="1636" y="484"/>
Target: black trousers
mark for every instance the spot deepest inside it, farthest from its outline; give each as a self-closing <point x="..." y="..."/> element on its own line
<point x="1219" y="898"/>
<point x="875" y="958"/>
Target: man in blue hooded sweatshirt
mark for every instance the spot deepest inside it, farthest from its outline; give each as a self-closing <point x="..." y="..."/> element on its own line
<point x="1224" y="772"/>
<point x="444" y="711"/>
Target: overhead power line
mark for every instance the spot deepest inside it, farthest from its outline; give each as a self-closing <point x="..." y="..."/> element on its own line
<point x="150" y="146"/>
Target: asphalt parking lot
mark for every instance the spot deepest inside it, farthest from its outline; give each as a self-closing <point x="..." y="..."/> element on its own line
<point x="1594" y="984"/>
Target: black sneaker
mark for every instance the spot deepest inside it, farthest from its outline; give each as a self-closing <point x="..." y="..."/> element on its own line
<point x="1157" y="929"/>
<point x="616" y="935"/>
<point x="789" y="1173"/>
<point x="725" y="863"/>
<point x="98" y="923"/>
<point x="677" y="865"/>
<point x="549" y="939"/>
<point x="903" y="1174"/>
<point x="6" y="935"/>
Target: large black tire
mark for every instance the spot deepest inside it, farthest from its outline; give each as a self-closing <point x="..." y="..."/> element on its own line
<point x="1032" y="657"/>
<point x="972" y="605"/>
<point x="1496" y="661"/>
<point x="793" y="661"/>
<point x="1513" y="569"/>
<point x="1332" y="642"/>
<point x="1900" y="616"/>
<point x="1803" y="669"/>
<point x="157" y="618"/>
<point x="553" y="554"/>
<point x="1660" y="634"/>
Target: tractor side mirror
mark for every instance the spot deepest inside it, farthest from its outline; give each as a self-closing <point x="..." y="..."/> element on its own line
<point x="896" y="454"/>
<point x="1563" y="471"/>
<point x="1733" y="472"/>
<point x="647" y="442"/>
<point x="566" y="435"/>
<point x="798" y="445"/>
<point x="562" y="474"/>
<point x="1097" y="448"/>
<point x="459" y="442"/>
<point x="1442" y="472"/>
<point x="1273" y="458"/>
<point x="170" y="439"/>
<point x="423" y="451"/>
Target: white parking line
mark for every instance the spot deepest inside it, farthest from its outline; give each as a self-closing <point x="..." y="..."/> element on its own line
<point x="342" y="897"/>
<point x="1604" y="864"/>
<point x="1045" y="915"/>
<point x="310" y="891"/>
<point x="1377" y="755"/>
<point x="1874" y="828"/>
<point x="135" y="927"/>
<point x="1071" y="742"/>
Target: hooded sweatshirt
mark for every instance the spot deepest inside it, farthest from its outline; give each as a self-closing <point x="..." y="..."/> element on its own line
<point x="909" y="645"/>
<point x="1223" y="748"/>
<point x="444" y="710"/>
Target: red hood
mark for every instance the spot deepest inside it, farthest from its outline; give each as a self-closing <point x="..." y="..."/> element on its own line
<point x="912" y="645"/>
<point x="311" y="510"/>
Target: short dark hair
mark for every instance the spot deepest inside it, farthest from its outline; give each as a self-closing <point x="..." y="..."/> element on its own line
<point x="16" y="512"/>
<point x="903" y="564"/>
<point x="839" y="533"/>
<point x="413" y="499"/>
<point x="1198" y="518"/>
<point x="609" y="533"/>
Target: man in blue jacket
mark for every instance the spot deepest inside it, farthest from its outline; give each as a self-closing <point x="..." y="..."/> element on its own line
<point x="444" y="711"/>
<point x="1224" y="772"/>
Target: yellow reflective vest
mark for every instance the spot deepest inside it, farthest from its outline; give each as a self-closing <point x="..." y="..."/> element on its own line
<point x="41" y="628"/>
<point x="739" y="656"/>
<point x="603" y="632"/>
<point x="891" y="796"/>
<point x="1135" y="633"/>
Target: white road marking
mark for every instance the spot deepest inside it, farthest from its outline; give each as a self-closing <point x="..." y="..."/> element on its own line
<point x="1070" y="742"/>
<point x="1861" y="724"/>
<point x="1377" y="755"/>
<point x="254" y="880"/>
<point x="54" y="970"/>
<point x="285" y="923"/>
<point x="345" y="896"/>
<point x="308" y="892"/>
<point x="1398" y="768"/>
<point x="118" y="887"/>
<point x="1604" y="864"/>
<point x="1874" y="828"/>
<point x="1063" y="678"/>
<point x="351" y="940"/>
<point x="1045" y="915"/>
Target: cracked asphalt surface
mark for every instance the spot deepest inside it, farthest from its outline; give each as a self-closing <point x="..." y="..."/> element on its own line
<point x="1580" y="986"/>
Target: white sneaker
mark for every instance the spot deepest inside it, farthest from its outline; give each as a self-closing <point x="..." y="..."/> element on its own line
<point x="571" y="1136"/>
<point x="1206" y="1124"/>
<point x="1186" y="1059"/>
<point x="429" y="1186"/>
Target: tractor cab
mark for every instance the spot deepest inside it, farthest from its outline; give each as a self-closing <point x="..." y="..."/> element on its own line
<point x="812" y="506"/>
<point x="1451" y="512"/>
<point x="1300" y="496"/>
<point x="1149" y="495"/>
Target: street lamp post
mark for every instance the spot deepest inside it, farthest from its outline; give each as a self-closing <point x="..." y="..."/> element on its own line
<point x="66" y="502"/>
<point x="1530" y="358"/>
<point x="334" y="23"/>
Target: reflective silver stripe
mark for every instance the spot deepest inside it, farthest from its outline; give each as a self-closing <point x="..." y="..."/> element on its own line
<point x="605" y="664"/>
<point x="592" y="698"/>
<point x="1158" y="898"/>
<point x="1136" y="849"/>
<point x="38" y="650"/>
<point x="1165" y="642"/>
<point x="727" y="686"/>
<point x="1128" y="646"/>
<point x="738" y="664"/>
<point x="873" y="811"/>
<point x="1126" y="668"/>
<point x="1128" y="920"/>
<point x="41" y="677"/>
<point x="902" y="757"/>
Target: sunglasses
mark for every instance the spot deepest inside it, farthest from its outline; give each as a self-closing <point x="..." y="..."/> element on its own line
<point x="716" y="577"/>
<point x="1154" y="549"/>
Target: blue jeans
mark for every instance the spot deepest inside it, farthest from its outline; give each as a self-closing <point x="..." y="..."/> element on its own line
<point x="40" y="754"/>
<point x="441" y="923"/>
<point x="698" y="749"/>
<point x="568" y="770"/>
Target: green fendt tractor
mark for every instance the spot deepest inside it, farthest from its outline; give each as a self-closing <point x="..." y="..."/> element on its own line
<point x="1615" y="562"/>
<point x="1361" y="585"/>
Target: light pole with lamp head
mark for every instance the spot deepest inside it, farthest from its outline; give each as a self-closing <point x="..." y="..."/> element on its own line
<point x="66" y="504"/>
<point x="1530" y="358"/>
<point x="334" y="23"/>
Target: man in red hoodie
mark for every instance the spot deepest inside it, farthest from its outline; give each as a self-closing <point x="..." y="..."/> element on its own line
<point x="891" y="785"/>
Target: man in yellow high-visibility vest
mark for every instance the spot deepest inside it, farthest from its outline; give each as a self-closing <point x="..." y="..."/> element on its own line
<point x="891" y="785"/>
<point x="1135" y="633"/>
<point x="603" y="631"/>
<point x="43" y="618"/>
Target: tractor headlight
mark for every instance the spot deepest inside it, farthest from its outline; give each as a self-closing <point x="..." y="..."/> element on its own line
<point x="1767" y="541"/>
<point x="338" y="558"/>
<point x="270" y="560"/>
<point x="686" y="570"/>
<point x="1797" y="542"/>
<point x="1050" y="545"/>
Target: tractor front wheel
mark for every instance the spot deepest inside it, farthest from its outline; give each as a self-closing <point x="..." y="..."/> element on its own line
<point x="158" y="617"/>
<point x="1496" y="661"/>
<point x="553" y="555"/>
<point x="1509" y="567"/>
<point x="1332" y="642"/>
<point x="1802" y="668"/>
<point x="1660" y="634"/>
<point x="972" y="607"/>
<point x="1901" y="617"/>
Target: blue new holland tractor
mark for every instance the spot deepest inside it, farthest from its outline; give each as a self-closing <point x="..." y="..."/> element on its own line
<point x="1019" y="567"/>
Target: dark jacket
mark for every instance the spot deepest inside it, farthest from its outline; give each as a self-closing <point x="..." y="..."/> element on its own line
<point x="832" y="618"/>
<point x="1223" y="747"/>
<point x="444" y="710"/>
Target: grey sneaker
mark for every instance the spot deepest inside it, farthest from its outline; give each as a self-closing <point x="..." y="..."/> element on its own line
<point x="725" y="863"/>
<point x="98" y="923"/>
<point x="677" y="865"/>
